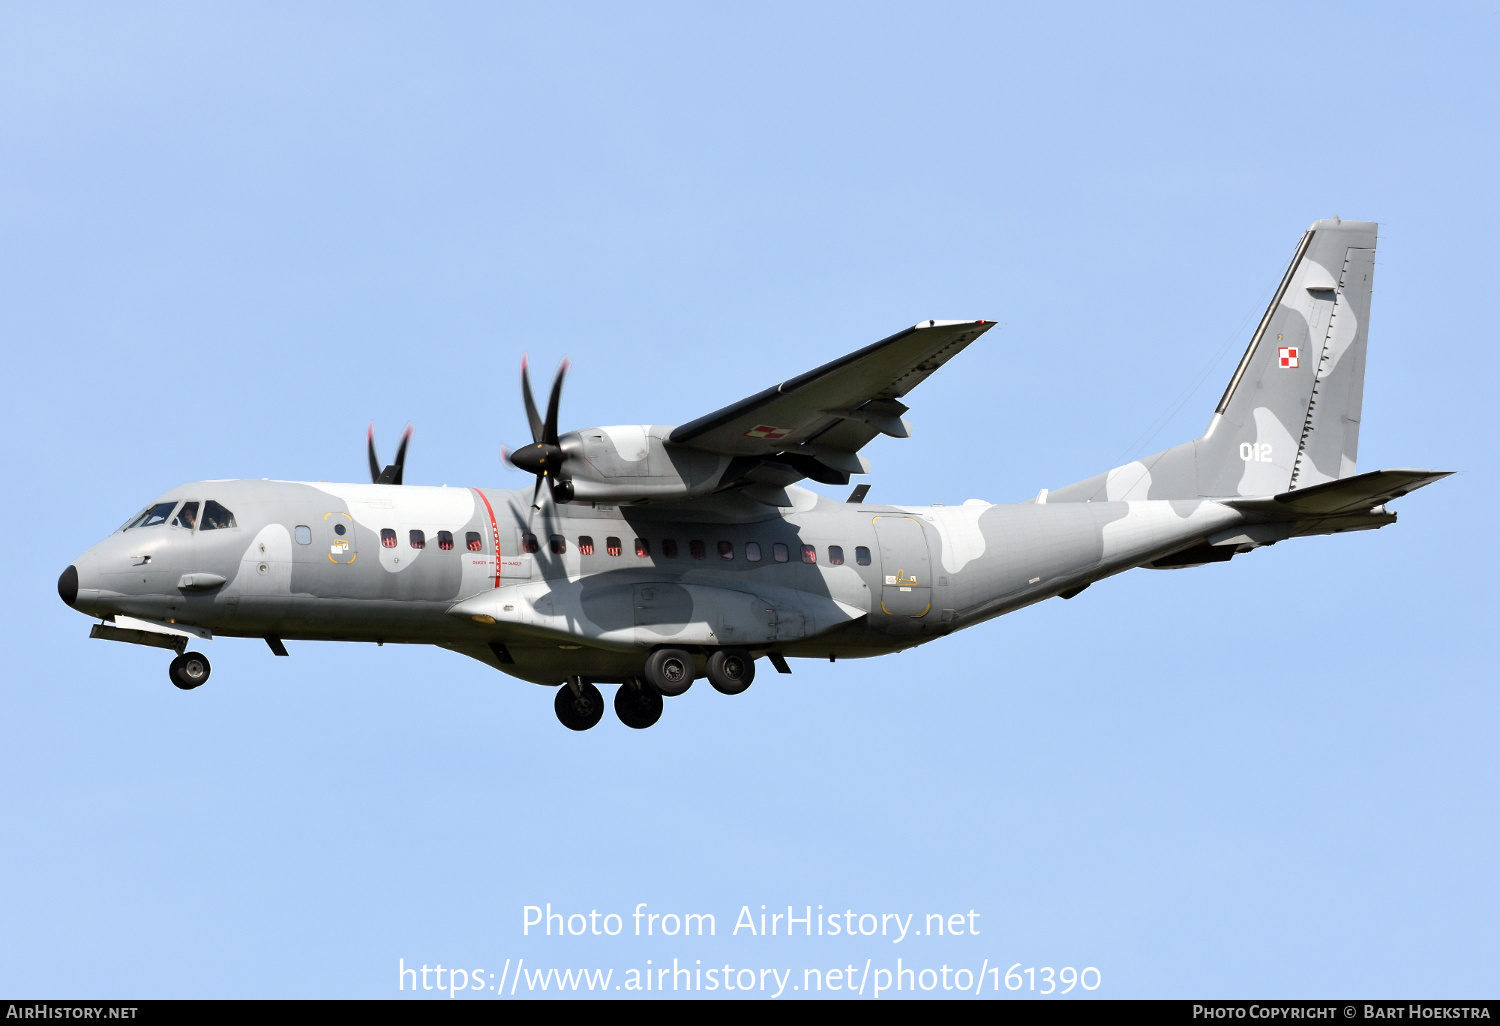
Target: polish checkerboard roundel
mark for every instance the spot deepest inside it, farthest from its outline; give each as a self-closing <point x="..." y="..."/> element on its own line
<point x="1287" y="355"/>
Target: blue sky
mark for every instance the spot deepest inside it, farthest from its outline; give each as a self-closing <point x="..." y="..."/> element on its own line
<point x="235" y="234"/>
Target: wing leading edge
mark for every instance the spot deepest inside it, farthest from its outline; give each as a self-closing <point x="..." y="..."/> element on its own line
<point x="831" y="412"/>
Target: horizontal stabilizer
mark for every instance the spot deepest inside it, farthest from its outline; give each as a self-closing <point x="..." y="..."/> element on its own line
<point x="1346" y="495"/>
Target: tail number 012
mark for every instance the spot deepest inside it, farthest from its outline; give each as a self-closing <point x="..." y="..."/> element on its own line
<point x="1255" y="452"/>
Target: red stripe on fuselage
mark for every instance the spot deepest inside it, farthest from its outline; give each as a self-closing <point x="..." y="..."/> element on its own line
<point x="495" y="530"/>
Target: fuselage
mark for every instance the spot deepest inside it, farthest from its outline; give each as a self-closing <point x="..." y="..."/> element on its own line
<point x="584" y="590"/>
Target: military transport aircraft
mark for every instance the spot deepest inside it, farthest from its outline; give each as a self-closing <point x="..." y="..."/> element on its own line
<point x="647" y="556"/>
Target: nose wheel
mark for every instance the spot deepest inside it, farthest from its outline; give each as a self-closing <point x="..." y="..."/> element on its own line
<point x="189" y="670"/>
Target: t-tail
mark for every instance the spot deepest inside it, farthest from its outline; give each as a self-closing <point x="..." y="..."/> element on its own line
<point x="1289" y="419"/>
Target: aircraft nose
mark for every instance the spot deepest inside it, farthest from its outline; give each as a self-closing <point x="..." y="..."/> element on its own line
<point x="67" y="585"/>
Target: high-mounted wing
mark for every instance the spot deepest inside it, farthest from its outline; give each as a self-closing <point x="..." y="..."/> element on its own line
<point x="831" y="412"/>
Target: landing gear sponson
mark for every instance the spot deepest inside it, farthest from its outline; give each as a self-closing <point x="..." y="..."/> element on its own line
<point x="638" y="703"/>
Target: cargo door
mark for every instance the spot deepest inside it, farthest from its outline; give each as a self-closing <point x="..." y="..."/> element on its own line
<point x="906" y="566"/>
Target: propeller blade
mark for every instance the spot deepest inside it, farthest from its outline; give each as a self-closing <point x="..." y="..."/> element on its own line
<point x="505" y="456"/>
<point x="536" y="492"/>
<point x="549" y="429"/>
<point x="534" y="418"/>
<point x="374" y="462"/>
<point x="400" y="463"/>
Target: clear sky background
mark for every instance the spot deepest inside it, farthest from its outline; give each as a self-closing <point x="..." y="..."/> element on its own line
<point x="232" y="235"/>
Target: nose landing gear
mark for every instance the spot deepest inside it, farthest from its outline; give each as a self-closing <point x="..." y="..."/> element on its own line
<point x="189" y="670"/>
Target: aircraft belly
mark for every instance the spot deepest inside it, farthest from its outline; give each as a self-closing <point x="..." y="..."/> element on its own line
<point x="645" y="614"/>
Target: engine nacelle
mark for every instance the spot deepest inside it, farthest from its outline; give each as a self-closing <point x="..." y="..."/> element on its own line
<point x="635" y="463"/>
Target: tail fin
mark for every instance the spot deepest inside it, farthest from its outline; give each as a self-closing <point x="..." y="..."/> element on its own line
<point x="1290" y="416"/>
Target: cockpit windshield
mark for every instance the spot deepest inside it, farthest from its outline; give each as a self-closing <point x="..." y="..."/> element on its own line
<point x="215" y="517"/>
<point x="157" y="514"/>
<point x="187" y="516"/>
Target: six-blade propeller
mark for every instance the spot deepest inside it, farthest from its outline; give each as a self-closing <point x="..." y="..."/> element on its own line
<point x="543" y="457"/>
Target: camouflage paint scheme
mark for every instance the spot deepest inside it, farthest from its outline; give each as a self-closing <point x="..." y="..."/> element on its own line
<point x="1277" y="461"/>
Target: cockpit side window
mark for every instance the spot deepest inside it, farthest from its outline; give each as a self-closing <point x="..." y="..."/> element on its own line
<point x="157" y="514"/>
<point x="215" y="517"/>
<point x="187" y="516"/>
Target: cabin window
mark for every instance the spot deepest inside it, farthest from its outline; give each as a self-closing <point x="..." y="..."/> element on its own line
<point x="752" y="551"/>
<point x="612" y="545"/>
<point x="809" y="554"/>
<point x="695" y="547"/>
<point x="836" y="555"/>
<point x="157" y="514"/>
<point x="669" y="548"/>
<point x="528" y="542"/>
<point x="642" y="548"/>
<point x="388" y="538"/>
<point x="475" y="543"/>
<point x="417" y="539"/>
<point x="726" y="550"/>
<point x="187" y="516"/>
<point x="558" y="544"/>
<point x="445" y="540"/>
<point x="216" y="516"/>
<point x="304" y="534"/>
<point x="779" y="552"/>
<point x="862" y="555"/>
<point x="585" y="545"/>
<point x="339" y="529"/>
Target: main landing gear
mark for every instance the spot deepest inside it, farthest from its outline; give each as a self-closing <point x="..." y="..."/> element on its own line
<point x="670" y="671"/>
<point x="189" y="670"/>
<point x="578" y="704"/>
<point x="638" y="703"/>
<point x="731" y="670"/>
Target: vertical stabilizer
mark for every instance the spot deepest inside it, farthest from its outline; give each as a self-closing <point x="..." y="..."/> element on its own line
<point x="1290" y="416"/>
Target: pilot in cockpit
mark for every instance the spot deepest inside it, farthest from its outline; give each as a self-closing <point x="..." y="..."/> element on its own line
<point x="186" y="516"/>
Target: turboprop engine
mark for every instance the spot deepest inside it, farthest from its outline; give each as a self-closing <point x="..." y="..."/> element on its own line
<point x="635" y="463"/>
<point x="638" y="463"/>
<point x="615" y="465"/>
